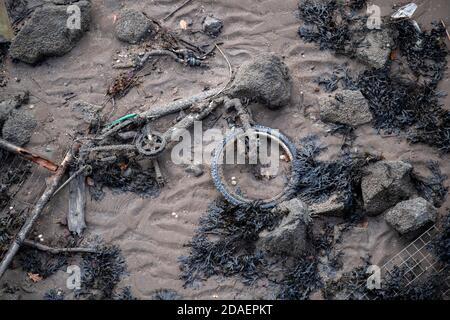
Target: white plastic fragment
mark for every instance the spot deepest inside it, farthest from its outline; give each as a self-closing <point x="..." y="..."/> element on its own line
<point x="406" y="11"/>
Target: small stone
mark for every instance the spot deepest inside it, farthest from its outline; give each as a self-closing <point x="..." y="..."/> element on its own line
<point x="88" y="112"/>
<point x="212" y="26"/>
<point x="133" y="26"/>
<point x="233" y="182"/>
<point x="195" y="169"/>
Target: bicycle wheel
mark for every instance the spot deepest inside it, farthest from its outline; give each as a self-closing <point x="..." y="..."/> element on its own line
<point x="237" y="199"/>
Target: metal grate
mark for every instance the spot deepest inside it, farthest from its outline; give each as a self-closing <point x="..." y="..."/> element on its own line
<point x="416" y="258"/>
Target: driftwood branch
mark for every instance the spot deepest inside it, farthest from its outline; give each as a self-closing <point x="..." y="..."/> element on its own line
<point x="52" y="185"/>
<point x="43" y="162"/>
<point x="77" y="205"/>
<point x="43" y="247"/>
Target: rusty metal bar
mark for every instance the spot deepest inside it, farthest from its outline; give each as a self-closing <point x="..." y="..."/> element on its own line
<point x="43" y="162"/>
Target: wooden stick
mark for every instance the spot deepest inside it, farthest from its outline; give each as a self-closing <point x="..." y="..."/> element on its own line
<point x="43" y="162"/>
<point x="43" y="247"/>
<point x="52" y="184"/>
<point x="177" y="9"/>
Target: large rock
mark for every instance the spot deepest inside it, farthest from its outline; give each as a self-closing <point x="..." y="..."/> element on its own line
<point x="375" y="49"/>
<point x="19" y="127"/>
<point x="47" y="33"/>
<point x="385" y="184"/>
<point x="411" y="216"/>
<point x="345" y="107"/>
<point x="133" y="26"/>
<point x="265" y="78"/>
<point x="290" y="237"/>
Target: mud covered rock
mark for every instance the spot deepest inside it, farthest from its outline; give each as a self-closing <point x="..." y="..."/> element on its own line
<point x="133" y="26"/>
<point x="88" y="112"/>
<point x="265" y="78"/>
<point x="9" y="104"/>
<point x="47" y="33"/>
<point x="411" y="216"/>
<point x="385" y="184"/>
<point x="374" y="50"/>
<point x="212" y="26"/>
<point x="345" y="107"/>
<point x="19" y="127"/>
<point x="290" y="237"/>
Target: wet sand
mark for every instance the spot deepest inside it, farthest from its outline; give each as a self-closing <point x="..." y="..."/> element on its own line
<point x="147" y="231"/>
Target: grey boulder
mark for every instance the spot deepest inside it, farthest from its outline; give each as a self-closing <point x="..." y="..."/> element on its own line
<point x="19" y="127"/>
<point x="375" y="49"/>
<point x="411" y="216"/>
<point x="47" y="33"/>
<point x="290" y="237"/>
<point x="266" y="79"/>
<point x="385" y="184"/>
<point x="345" y="107"/>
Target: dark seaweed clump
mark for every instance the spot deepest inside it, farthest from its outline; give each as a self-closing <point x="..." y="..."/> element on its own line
<point x="10" y="222"/>
<point x="41" y="263"/>
<point x="123" y="176"/>
<point x="321" y="179"/>
<point x="432" y="187"/>
<point x="124" y="294"/>
<point x="328" y="23"/>
<point x="54" y="295"/>
<point x="441" y="244"/>
<point x="425" y="52"/>
<point x="166" y="294"/>
<point x="9" y="178"/>
<point x="102" y="271"/>
<point x="300" y="280"/>
<point x="399" y="105"/>
<point x="224" y="244"/>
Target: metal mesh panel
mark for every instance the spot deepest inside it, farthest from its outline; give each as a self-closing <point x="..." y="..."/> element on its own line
<point x="416" y="259"/>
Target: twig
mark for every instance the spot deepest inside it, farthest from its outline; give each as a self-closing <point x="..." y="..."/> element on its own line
<point x="52" y="184"/>
<point x="230" y="69"/>
<point x="446" y="31"/>
<point x="43" y="247"/>
<point x="177" y="9"/>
